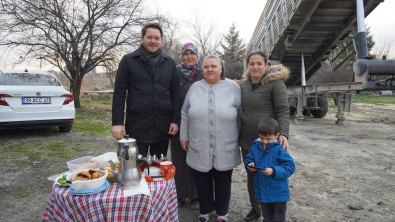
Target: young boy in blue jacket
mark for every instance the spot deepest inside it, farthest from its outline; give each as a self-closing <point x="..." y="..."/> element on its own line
<point x="274" y="166"/>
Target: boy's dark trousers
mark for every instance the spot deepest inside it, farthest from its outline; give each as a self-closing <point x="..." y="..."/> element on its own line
<point x="274" y="212"/>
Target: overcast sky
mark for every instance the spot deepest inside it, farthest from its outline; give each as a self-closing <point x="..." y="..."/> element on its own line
<point x="245" y="14"/>
<point x="382" y="20"/>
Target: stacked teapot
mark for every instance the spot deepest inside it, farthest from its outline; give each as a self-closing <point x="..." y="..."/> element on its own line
<point x="128" y="174"/>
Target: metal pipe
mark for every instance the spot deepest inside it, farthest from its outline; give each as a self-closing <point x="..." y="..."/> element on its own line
<point x="362" y="42"/>
<point x="374" y="67"/>
<point x="386" y="93"/>
<point x="303" y="71"/>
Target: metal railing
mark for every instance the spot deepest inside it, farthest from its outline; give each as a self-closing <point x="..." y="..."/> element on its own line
<point x="276" y="20"/>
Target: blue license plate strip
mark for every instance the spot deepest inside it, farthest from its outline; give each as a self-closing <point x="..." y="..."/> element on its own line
<point x="36" y="100"/>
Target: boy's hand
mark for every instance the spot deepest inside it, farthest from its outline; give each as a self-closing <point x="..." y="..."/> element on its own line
<point x="250" y="168"/>
<point x="267" y="171"/>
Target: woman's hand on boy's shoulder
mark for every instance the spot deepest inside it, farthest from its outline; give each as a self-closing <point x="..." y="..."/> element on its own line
<point x="284" y="141"/>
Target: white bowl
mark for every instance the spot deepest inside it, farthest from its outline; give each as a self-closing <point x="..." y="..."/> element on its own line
<point x="88" y="184"/>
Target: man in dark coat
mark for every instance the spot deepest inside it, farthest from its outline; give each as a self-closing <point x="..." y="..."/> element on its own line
<point x="152" y="104"/>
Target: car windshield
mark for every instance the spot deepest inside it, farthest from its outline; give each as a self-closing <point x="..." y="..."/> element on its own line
<point x="28" y="79"/>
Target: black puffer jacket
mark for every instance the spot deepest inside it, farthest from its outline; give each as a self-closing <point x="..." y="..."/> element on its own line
<point x="153" y="98"/>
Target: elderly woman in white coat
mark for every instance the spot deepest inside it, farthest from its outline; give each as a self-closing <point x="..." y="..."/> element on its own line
<point x="209" y="133"/>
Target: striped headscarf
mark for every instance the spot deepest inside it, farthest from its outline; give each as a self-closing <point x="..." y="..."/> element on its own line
<point x="189" y="71"/>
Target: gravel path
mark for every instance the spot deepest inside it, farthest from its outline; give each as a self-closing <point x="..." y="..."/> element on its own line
<point x="343" y="173"/>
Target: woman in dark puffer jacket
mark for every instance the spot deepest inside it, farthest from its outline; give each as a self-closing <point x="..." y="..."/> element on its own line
<point x="263" y="94"/>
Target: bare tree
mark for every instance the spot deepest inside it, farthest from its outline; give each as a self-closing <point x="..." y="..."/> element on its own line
<point x="204" y="36"/>
<point x="385" y="47"/>
<point x="171" y="34"/>
<point x="111" y="67"/>
<point x="73" y="35"/>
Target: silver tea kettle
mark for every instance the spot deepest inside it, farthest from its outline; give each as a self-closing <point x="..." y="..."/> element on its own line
<point x="128" y="174"/>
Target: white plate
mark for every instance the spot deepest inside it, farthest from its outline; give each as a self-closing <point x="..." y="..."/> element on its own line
<point x="56" y="181"/>
<point x="89" y="192"/>
<point x="53" y="177"/>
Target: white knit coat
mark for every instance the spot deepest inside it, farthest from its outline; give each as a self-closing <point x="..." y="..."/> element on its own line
<point x="209" y="121"/>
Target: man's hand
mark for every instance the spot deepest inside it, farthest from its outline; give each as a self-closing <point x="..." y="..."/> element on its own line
<point x="173" y="129"/>
<point x="284" y="141"/>
<point x="118" y="131"/>
<point x="184" y="145"/>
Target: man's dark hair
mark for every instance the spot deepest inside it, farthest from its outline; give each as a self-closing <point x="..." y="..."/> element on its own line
<point x="152" y="26"/>
<point x="268" y="126"/>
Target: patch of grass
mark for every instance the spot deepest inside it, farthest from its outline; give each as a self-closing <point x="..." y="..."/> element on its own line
<point x="365" y="97"/>
<point x="331" y="104"/>
<point x="19" y="150"/>
<point x="25" y="154"/>
<point x="61" y="149"/>
<point x="21" y="193"/>
<point x="22" y="163"/>
<point x="92" y="121"/>
<point x="13" y="146"/>
<point x="89" y="128"/>
<point x="371" y="98"/>
<point x="97" y="100"/>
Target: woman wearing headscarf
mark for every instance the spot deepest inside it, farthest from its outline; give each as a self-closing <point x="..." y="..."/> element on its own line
<point x="189" y="71"/>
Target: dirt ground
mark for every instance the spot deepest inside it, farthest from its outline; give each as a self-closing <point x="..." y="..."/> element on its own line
<point x="343" y="173"/>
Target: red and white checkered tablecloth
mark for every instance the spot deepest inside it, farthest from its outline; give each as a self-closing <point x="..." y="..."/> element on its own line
<point x="112" y="205"/>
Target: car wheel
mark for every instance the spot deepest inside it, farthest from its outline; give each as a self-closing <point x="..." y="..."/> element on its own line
<point x="65" y="129"/>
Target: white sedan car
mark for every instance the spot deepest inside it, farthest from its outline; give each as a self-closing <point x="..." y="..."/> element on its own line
<point x="34" y="99"/>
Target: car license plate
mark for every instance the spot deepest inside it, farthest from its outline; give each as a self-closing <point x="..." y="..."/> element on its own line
<point x="36" y="100"/>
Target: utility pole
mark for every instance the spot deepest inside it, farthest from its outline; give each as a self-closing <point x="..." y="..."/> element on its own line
<point x="41" y="59"/>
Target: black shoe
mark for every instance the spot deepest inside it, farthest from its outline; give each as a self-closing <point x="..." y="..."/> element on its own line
<point x="252" y="216"/>
<point x="194" y="204"/>
<point x="182" y="203"/>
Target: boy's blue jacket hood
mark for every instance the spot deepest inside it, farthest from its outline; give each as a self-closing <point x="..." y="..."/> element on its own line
<point x="270" y="189"/>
